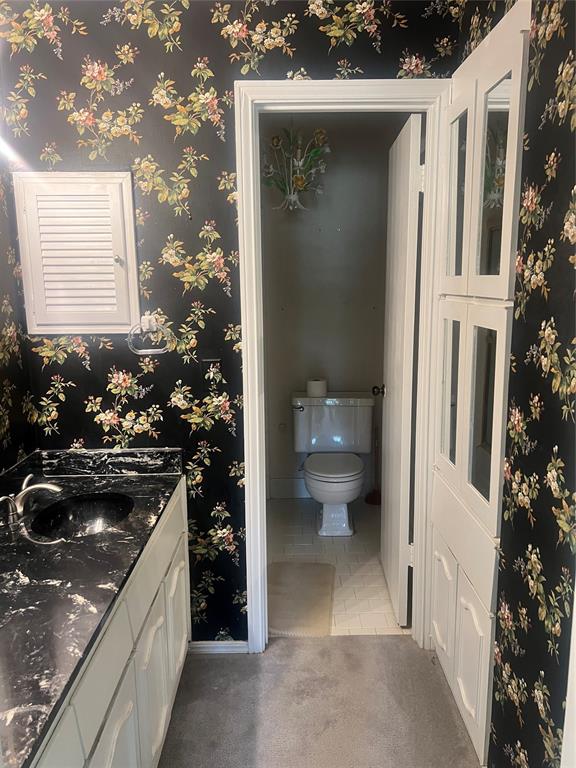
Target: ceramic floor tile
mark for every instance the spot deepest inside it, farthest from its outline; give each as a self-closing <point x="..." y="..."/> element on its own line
<point x="354" y="605"/>
<point x="382" y="620"/>
<point x="346" y="621"/>
<point x="360" y="590"/>
<point x="342" y="593"/>
<point x="363" y="592"/>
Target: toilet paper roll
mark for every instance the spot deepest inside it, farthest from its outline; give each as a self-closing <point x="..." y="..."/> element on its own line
<point x="316" y="387"/>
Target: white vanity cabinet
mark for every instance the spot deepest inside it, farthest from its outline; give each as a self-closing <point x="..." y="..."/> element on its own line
<point x="118" y="710"/>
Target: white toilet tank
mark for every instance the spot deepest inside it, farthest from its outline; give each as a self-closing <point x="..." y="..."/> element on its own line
<point x="339" y="422"/>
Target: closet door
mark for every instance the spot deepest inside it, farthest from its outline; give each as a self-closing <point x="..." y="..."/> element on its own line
<point x="452" y="321"/>
<point x="495" y="190"/>
<point x="444" y="582"/>
<point x="475" y="282"/>
<point x="486" y="366"/>
<point x="461" y="126"/>
<point x="472" y="671"/>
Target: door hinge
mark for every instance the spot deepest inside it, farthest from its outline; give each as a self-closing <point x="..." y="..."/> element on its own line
<point x="422" y="177"/>
<point x="411" y="555"/>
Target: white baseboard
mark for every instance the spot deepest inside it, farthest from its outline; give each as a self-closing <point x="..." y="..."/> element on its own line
<point x="288" y="488"/>
<point x="218" y="646"/>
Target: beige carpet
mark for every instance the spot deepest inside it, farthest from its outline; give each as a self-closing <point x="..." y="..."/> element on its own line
<point x="300" y="599"/>
<point x="317" y="702"/>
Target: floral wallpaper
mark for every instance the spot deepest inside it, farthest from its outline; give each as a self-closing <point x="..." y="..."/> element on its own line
<point x="16" y="435"/>
<point x="147" y="86"/>
<point x="536" y="580"/>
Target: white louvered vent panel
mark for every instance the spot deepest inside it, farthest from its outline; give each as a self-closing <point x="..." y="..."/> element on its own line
<point x="76" y="275"/>
<point x="82" y="263"/>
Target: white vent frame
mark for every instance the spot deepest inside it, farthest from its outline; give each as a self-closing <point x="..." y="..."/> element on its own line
<point x="39" y="320"/>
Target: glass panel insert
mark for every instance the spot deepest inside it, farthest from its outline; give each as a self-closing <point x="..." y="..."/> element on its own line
<point x="459" y="130"/>
<point x="484" y="362"/>
<point x="495" y="140"/>
<point x="450" y="389"/>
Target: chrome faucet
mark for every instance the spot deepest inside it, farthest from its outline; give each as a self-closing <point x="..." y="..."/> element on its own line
<point x="16" y="506"/>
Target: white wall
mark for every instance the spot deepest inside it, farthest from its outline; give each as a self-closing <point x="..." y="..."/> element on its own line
<point x="324" y="273"/>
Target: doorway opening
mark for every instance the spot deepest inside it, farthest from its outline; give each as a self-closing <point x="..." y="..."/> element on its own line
<point x="339" y="316"/>
<point x="299" y="98"/>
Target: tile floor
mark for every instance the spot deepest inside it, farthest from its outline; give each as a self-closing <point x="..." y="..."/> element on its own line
<point x="361" y="601"/>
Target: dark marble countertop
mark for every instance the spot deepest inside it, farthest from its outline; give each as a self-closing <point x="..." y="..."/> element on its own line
<point x="55" y="599"/>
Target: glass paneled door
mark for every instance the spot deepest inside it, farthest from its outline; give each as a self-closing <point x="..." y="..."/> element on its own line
<point x="483" y="132"/>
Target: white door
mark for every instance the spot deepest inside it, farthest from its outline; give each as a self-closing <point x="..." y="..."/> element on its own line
<point x="472" y="349"/>
<point x="404" y="185"/>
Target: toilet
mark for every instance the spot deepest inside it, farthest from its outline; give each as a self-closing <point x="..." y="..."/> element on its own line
<point x="333" y="430"/>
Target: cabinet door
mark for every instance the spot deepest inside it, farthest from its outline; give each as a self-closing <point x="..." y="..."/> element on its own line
<point x="64" y="747"/>
<point x="119" y="744"/>
<point x="151" y="660"/>
<point x="472" y="670"/>
<point x="177" y="612"/>
<point x="444" y="580"/>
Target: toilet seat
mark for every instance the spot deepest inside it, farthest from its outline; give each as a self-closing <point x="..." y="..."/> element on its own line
<point x="334" y="467"/>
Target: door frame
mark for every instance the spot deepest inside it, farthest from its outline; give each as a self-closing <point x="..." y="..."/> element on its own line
<point x="253" y="98"/>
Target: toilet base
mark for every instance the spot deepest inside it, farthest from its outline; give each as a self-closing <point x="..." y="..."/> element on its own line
<point x="334" y="521"/>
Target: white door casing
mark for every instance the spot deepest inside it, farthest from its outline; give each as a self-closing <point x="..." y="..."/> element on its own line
<point x="251" y="99"/>
<point x="404" y="186"/>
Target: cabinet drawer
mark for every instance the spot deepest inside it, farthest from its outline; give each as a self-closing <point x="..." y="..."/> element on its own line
<point x="96" y="688"/>
<point x="154" y="563"/>
<point x="64" y="749"/>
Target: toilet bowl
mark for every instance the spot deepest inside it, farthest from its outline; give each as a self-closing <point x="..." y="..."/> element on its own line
<point x="334" y="480"/>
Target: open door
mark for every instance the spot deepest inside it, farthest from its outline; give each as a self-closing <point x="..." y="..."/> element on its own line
<point x="471" y="359"/>
<point x="404" y="185"/>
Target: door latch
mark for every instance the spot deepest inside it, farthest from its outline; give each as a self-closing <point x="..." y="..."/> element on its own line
<point x="379" y="390"/>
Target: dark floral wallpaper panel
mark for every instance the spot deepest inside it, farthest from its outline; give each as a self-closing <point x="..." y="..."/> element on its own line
<point x="147" y="86"/>
<point x="538" y="541"/>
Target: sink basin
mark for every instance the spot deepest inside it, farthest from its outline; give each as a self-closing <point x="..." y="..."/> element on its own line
<point x="82" y="515"/>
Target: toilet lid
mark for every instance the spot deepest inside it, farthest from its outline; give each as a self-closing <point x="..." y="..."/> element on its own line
<point x="334" y="465"/>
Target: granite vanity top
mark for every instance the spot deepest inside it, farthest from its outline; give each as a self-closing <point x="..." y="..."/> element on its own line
<point x="55" y="599"/>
